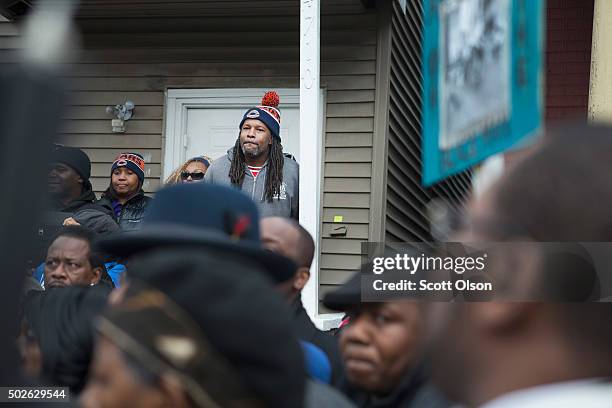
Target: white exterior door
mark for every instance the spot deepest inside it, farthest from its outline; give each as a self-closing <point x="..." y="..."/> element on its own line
<point x="211" y="131"/>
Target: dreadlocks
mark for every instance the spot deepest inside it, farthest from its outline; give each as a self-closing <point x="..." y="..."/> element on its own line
<point x="274" y="175"/>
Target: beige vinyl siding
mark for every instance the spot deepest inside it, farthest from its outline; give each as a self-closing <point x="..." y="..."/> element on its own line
<point x="132" y="53"/>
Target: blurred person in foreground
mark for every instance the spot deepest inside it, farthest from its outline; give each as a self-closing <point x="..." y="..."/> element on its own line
<point x="287" y="237"/>
<point x="218" y="336"/>
<point x="57" y="337"/>
<point x="534" y="354"/>
<point x="124" y="197"/>
<point x="229" y="230"/>
<point x="382" y="349"/>
<point x="193" y="170"/>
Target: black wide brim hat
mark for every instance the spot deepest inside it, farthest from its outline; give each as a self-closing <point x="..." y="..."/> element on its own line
<point x="279" y="268"/>
<point x="346" y="296"/>
<point x="222" y="306"/>
<point x="214" y="217"/>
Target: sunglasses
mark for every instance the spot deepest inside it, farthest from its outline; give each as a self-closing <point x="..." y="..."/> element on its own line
<point x="194" y="176"/>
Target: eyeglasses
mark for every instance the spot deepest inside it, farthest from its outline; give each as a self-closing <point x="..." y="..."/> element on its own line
<point x="194" y="176"/>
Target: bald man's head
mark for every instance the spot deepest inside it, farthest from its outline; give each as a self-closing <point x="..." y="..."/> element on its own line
<point x="287" y="237"/>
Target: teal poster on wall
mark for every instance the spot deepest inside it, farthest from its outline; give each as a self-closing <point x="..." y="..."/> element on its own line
<point x="482" y="80"/>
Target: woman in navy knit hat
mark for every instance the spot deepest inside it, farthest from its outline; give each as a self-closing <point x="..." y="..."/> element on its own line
<point x="125" y="196"/>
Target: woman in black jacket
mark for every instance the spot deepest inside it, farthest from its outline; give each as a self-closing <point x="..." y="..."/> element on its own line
<point x="124" y="196"/>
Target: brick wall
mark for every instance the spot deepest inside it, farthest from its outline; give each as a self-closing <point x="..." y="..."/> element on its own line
<point x="568" y="58"/>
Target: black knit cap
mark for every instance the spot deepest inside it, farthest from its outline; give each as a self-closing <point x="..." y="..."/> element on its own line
<point x="238" y="312"/>
<point x="73" y="157"/>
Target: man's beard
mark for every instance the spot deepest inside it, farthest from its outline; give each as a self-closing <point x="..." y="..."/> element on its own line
<point x="253" y="153"/>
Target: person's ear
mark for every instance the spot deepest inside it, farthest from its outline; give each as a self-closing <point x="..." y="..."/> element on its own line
<point x="502" y="317"/>
<point x="97" y="275"/>
<point x="172" y="392"/>
<point x="514" y="271"/>
<point x="301" y="278"/>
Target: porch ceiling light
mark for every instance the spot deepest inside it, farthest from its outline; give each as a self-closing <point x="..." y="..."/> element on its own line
<point x="122" y="114"/>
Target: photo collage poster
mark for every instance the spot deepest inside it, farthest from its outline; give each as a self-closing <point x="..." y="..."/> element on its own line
<point x="482" y="80"/>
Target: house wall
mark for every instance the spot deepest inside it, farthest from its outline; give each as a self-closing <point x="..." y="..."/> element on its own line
<point x="569" y="29"/>
<point x="138" y="58"/>
<point x="600" y="88"/>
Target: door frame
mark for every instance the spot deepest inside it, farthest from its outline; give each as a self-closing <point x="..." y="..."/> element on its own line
<point x="174" y="144"/>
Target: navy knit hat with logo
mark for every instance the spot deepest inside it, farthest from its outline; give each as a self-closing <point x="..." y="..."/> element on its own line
<point x="132" y="161"/>
<point x="267" y="113"/>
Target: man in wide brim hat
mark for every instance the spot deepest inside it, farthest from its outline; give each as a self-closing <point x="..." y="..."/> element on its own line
<point x="212" y="216"/>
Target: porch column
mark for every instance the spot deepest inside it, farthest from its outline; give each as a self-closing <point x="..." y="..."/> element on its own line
<point x="310" y="142"/>
<point x="600" y="88"/>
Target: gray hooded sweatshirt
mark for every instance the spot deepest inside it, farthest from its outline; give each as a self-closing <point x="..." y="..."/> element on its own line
<point x="283" y="205"/>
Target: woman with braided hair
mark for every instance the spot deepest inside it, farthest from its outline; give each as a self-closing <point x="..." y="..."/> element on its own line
<point x="256" y="163"/>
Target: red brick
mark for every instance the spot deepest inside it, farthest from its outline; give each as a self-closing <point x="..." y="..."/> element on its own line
<point x="575" y="112"/>
<point x="578" y="68"/>
<point x="553" y="114"/>
<point x="579" y="45"/>
<point x="564" y="102"/>
<point x="566" y="57"/>
<point x="555" y="23"/>
<point x="555" y="46"/>
<point x="557" y="35"/>
<point x="575" y="34"/>
<point x="574" y="12"/>
<point x="555" y="92"/>
<point x="555" y="69"/>
<point x="568" y="53"/>
<point x="581" y="4"/>
<point x="578" y="24"/>
<point x="556" y="79"/>
<point x="555" y="4"/>
<point x="577" y="79"/>
<point x="555" y="13"/>
<point x="572" y="90"/>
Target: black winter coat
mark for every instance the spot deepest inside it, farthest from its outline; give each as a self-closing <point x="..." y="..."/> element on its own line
<point x="87" y="201"/>
<point x="413" y="391"/>
<point x="132" y="211"/>
<point x="56" y="212"/>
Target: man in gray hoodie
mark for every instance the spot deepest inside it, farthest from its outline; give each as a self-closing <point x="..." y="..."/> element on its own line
<point x="256" y="164"/>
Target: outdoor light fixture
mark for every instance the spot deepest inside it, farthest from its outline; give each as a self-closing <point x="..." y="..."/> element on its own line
<point x="122" y="113"/>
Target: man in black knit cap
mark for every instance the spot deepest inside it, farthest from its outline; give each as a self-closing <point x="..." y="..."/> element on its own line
<point x="71" y="200"/>
<point x="68" y="180"/>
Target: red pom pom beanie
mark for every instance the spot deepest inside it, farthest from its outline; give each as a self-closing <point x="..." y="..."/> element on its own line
<point x="267" y="113"/>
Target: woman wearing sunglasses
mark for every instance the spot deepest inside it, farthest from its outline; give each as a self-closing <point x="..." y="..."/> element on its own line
<point x="193" y="170"/>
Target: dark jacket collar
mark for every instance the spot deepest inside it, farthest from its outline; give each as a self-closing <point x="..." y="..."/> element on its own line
<point x="411" y="386"/>
<point x="107" y="199"/>
<point x="303" y="326"/>
<point x="86" y="197"/>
